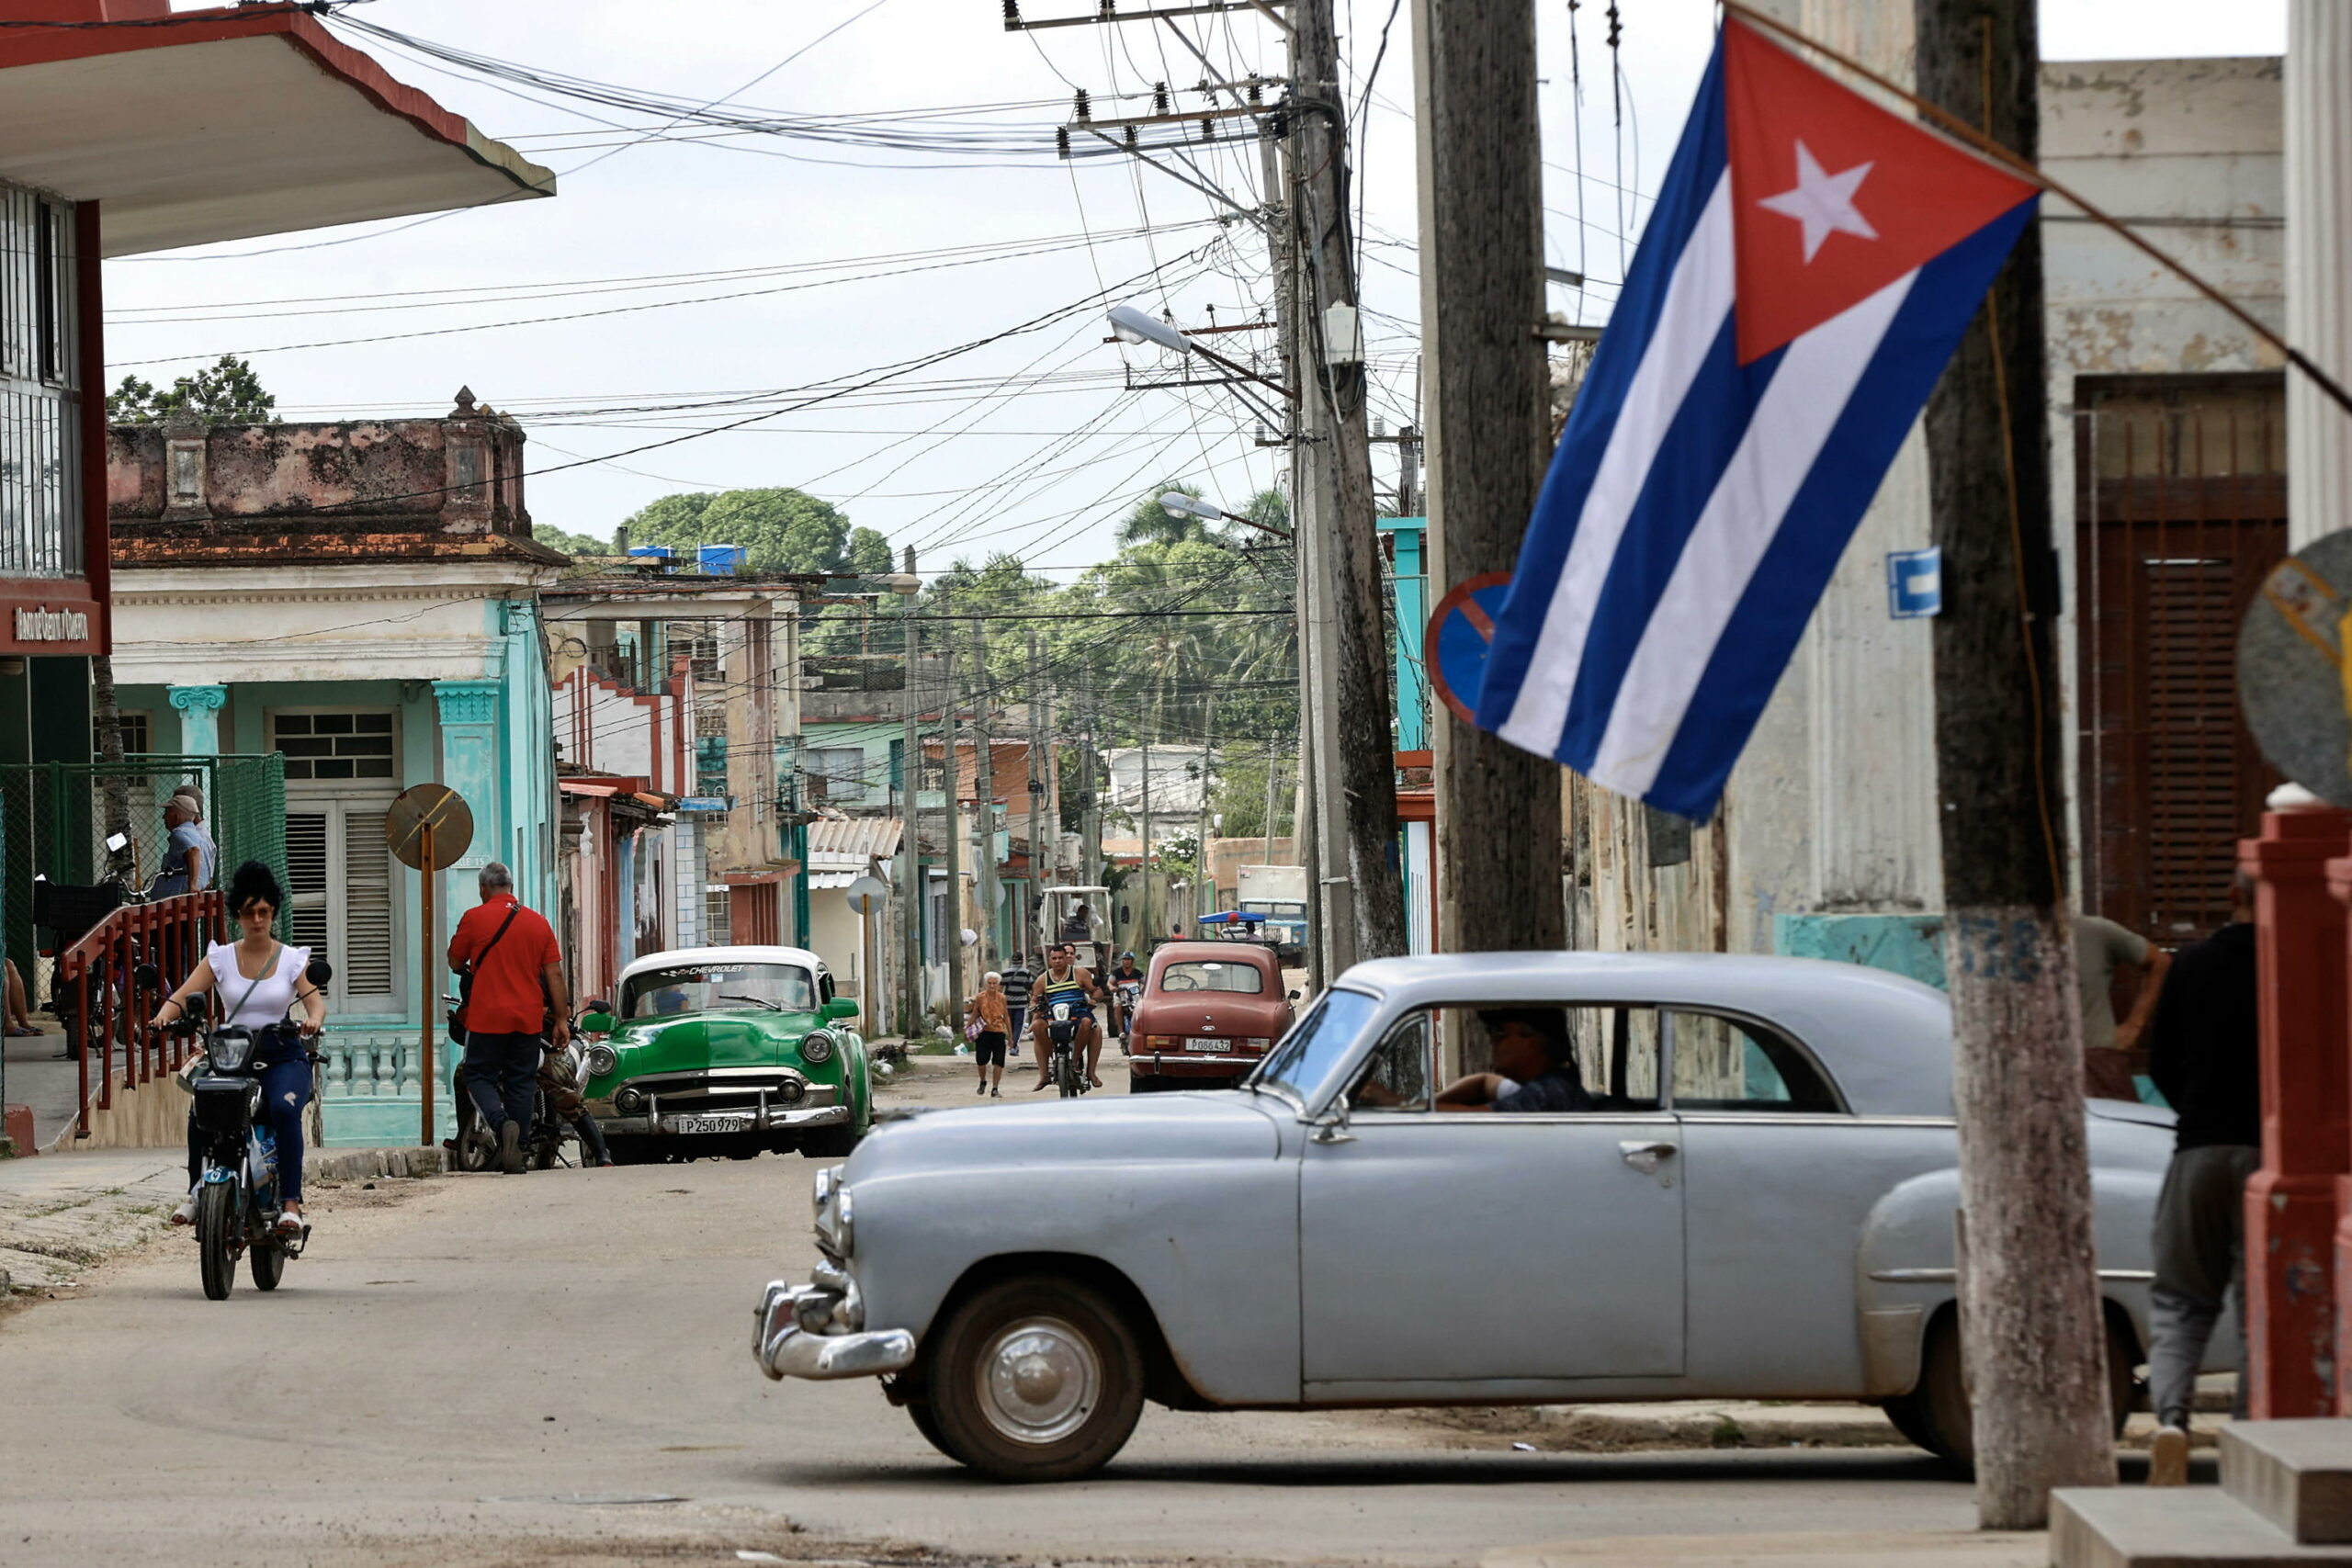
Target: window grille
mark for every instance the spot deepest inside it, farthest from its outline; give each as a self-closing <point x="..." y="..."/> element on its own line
<point x="335" y="746"/>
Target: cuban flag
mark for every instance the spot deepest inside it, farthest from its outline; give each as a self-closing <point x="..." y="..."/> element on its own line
<point x="1808" y="269"/>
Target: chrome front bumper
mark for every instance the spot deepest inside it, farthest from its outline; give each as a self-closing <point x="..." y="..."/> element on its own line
<point x="770" y="1121"/>
<point x="1164" y="1059"/>
<point x="815" y="1331"/>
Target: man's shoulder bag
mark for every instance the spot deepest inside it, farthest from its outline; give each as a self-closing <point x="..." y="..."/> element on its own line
<point x="473" y="967"/>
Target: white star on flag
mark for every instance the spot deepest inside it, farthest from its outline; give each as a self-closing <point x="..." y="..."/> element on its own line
<point x="1823" y="202"/>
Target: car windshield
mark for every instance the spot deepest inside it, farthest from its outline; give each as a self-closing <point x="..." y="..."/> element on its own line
<point x="719" y="987"/>
<point x="1317" y="1044"/>
<point x="1211" y="976"/>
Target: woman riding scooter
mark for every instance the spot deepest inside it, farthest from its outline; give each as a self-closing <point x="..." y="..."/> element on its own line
<point x="261" y="978"/>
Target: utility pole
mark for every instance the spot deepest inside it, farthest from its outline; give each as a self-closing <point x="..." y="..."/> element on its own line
<point x="1090" y="793"/>
<point x="1042" y="831"/>
<point x="1143" y="901"/>
<point x="957" y="995"/>
<point x="1205" y="877"/>
<point x="910" y="878"/>
<point x="1273" y="772"/>
<point x="1486" y="442"/>
<point x="1361" y="900"/>
<point x="2032" y="1334"/>
<point x="984" y="793"/>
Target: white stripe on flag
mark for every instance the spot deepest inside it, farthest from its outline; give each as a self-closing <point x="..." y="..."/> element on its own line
<point x="1792" y="421"/>
<point x="1698" y="297"/>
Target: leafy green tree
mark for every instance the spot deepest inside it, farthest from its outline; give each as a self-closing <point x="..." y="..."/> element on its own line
<point x="782" y="529"/>
<point x="869" y="553"/>
<point x="555" y="539"/>
<point x="225" y="393"/>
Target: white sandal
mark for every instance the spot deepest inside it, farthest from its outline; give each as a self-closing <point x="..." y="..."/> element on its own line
<point x="185" y="1213"/>
<point x="289" y="1223"/>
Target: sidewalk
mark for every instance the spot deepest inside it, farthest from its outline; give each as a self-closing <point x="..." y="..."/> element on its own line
<point x="1869" y="1548"/>
<point x="62" y="1213"/>
<point x="38" y="1080"/>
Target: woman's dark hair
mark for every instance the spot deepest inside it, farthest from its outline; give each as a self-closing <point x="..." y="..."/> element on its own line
<point x="251" y="883"/>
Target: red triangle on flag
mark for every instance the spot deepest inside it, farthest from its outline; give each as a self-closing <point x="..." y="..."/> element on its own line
<point x="1833" y="197"/>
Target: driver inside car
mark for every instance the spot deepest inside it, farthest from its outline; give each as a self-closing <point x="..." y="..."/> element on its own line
<point x="1535" y="1065"/>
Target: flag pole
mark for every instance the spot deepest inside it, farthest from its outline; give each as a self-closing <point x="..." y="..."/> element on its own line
<point x="1954" y="126"/>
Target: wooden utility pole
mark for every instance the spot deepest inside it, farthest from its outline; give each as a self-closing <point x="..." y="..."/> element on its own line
<point x="2033" y="1337"/>
<point x="910" y="878"/>
<point x="1486" y="440"/>
<point x="1362" y="898"/>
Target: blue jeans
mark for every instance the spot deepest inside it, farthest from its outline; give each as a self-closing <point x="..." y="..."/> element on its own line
<point x="503" y="1074"/>
<point x="285" y="1090"/>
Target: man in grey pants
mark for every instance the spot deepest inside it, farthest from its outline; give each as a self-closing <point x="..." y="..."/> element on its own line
<point x="2204" y="1055"/>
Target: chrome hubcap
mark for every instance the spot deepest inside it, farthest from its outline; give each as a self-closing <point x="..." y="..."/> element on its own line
<point x="1039" y="1380"/>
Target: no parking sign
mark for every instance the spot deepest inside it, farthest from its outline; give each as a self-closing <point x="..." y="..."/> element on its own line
<point x="1461" y="629"/>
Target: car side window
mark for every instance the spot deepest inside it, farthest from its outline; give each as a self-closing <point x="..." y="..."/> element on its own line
<point x="1724" y="1063"/>
<point x="1614" y="1053"/>
<point x="1398" y="1077"/>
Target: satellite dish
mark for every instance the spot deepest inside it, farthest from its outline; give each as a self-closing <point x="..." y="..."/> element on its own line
<point x="2291" y="669"/>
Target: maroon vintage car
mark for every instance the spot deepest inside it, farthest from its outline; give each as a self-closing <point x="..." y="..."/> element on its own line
<point x="1209" y="1011"/>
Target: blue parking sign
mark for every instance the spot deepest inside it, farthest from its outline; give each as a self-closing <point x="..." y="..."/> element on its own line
<point x="1915" y="583"/>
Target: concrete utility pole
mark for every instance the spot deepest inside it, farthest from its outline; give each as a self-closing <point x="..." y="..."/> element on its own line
<point x="2032" y="1334"/>
<point x="910" y="878"/>
<point x="957" y="995"/>
<point x="1143" y="899"/>
<point x="1360" y="901"/>
<point x="1204" y="875"/>
<point x="1486" y="442"/>
<point x="1090" y="793"/>
<point x="1042" y="837"/>
<point x="2318" y="251"/>
<point x="984" y="793"/>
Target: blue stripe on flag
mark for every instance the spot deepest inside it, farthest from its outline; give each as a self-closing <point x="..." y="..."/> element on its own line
<point x="1699" y="443"/>
<point x="1700" y="161"/>
<point x="1762" y="633"/>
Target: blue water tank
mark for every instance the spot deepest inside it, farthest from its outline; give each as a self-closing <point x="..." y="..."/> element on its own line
<point x="650" y="552"/>
<point x="721" y="560"/>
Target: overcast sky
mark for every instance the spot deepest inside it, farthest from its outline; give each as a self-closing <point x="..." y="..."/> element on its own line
<point x="1033" y="444"/>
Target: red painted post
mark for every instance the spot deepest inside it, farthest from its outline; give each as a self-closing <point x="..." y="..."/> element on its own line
<point x="2290" y="1205"/>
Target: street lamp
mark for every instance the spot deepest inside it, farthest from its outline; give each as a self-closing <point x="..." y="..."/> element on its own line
<point x="1176" y="503"/>
<point x="1131" y="325"/>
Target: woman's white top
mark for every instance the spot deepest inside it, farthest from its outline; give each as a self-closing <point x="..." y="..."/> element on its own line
<point x="258" y="1002"/>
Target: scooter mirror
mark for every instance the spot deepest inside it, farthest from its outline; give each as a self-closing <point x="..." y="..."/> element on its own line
<point x="319" y="972"/>
<point x="146" y="977"/>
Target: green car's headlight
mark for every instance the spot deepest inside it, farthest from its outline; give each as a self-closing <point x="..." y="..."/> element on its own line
<point x="629" y="1102"/>
<point x="817" y="1046"/>
<point x="602" y="1059"/>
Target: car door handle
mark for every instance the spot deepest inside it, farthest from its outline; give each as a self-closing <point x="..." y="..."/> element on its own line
<point x="1644" y="1156"/>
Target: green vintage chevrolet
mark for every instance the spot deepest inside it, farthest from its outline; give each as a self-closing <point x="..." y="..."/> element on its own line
<point x="727" y="1050"/>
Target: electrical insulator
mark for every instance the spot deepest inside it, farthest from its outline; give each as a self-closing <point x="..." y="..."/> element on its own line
<point x="1208" y="130"/>
<point x="1061" y="139"/>
<point x="1011" y="15"/>
<point x="1160" y="98"/>
<point x="1085" y="110"/>
<point x="1132" y="139"/>
<point x="1256" y="97"/>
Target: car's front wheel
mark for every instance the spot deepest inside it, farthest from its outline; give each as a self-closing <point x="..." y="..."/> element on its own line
<point x="1034" y="1378"/>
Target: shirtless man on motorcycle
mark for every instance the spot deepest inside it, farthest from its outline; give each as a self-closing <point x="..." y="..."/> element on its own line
<point x="1065" y="980"/>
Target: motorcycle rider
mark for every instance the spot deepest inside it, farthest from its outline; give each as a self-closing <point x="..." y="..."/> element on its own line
<point x="261" y="979"/>
<point x="1066" y="980"/>
<point x="1126" y="990"/>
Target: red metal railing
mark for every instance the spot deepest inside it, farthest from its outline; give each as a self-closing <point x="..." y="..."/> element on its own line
<point x="109" y="1005"/>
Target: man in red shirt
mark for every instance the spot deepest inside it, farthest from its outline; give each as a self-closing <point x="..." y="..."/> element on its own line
<point x="517" y="987"/>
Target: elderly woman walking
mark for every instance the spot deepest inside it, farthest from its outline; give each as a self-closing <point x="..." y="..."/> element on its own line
<point x="988" y="1023"/>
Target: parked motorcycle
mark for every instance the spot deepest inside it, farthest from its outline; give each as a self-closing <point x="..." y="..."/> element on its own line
<point x="239" y="1198"/>
<point x="1061" y="1035"/>
<point x="475" y="1148"/>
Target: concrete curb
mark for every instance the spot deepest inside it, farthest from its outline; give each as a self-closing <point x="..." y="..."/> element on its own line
<point x="374" y="1165"/>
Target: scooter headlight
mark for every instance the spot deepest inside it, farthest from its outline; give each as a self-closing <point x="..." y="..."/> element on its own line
<point x="229" y="1050"/>
<point x="818" y="1046"/>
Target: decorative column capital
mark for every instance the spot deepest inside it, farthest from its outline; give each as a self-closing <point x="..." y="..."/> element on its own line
<point x="466" y="702"/>
<point x="198" y="699"/>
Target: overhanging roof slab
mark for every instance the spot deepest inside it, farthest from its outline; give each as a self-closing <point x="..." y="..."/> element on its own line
<point x="234" y="124"/>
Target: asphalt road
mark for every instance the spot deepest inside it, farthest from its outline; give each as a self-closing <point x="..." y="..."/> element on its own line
<point x="454" y="1356"/>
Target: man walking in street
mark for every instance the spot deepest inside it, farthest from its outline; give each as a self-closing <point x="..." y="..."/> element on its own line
<point x="515" y="1004"/>
<point x="1017" y="977"/>
<point x="2204" y="1056"/>
<point x="2112" y="1051"/>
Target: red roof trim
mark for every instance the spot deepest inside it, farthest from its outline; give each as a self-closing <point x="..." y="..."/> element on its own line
<point x="34" y="45"/>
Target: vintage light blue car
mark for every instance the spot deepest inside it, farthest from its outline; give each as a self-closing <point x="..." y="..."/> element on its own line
<point x="1755" y="1203"/>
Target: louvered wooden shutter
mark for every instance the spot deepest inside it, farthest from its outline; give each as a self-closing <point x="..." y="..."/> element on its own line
<point x="306" y="877"/>
<point x="366" y="904"/>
